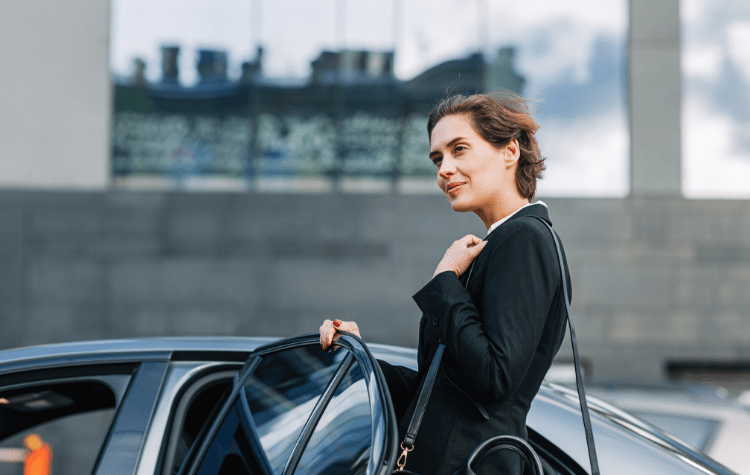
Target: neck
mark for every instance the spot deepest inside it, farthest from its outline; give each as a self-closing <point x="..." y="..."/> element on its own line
<point x="501" y="209"/>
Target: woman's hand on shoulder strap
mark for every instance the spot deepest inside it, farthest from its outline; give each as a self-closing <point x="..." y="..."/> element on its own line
<point x="329" y="331"/>
<point x="459" y="256"/>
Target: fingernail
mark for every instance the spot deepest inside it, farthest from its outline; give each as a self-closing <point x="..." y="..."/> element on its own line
<point x="329" y="341"/>
<point x="336" y="323"/>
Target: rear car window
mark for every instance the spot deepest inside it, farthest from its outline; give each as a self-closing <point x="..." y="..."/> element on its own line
<point x="62" y="425"/>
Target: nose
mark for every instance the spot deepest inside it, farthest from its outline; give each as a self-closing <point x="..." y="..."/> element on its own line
<point x="447" y="167"/>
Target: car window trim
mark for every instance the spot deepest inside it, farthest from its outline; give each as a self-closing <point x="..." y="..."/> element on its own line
<point x="312" y="422"/>
<point x="149" y="379"/>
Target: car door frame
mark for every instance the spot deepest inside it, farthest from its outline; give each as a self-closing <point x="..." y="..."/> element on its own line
<point x="384" y="427"/>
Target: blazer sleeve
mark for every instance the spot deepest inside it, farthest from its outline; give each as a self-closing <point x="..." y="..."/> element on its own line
<point x="496" y="349"/>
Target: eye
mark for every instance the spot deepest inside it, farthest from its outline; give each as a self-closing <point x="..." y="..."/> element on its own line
<point x="437" y="159"/>
<point x="459" y="148"/>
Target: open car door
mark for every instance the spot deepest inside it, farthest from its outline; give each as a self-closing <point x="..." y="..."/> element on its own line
<point x="297" y="409"/>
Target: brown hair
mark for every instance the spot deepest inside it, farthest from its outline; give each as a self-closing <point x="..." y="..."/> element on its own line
<point x="499" y="119"/>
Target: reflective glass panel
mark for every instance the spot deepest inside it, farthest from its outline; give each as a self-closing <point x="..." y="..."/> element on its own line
<point x="341" y="441"/>
<point x="334" y="94"/>
<point x="715" y="99"/>
<point x="281" y="394"/>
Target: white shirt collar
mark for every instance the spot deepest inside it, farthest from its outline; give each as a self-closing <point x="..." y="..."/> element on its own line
<point x="498" y="223"/>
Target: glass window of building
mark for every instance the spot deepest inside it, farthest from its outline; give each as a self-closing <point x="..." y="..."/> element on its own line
<point x="333" y="95"/>
<point x="715" y="103"/>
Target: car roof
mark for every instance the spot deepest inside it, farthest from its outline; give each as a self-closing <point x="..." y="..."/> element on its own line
<point x="135" y="348"/>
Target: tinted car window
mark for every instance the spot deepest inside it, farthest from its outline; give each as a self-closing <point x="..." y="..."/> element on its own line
<point x="230" y="452"/>
<point x="282" y="392"/>
<point x="341" y="441"/>
<point x="272" y="408"/>
<point x="71" y="419"/>
<point x="74" y="442"/>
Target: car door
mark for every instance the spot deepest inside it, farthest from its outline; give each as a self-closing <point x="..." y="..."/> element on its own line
<point x="297" y="409"/>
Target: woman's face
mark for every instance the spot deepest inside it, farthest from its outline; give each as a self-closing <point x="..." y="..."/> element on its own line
<point x="473" y="174"/>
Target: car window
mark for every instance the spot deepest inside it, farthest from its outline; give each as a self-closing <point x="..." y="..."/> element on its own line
<point x="271" y="409"/>
<point x="74" y="442"/>
<point x="60" y="425"/>
<point x="340" y="443"/>
<point x="281" y="394"/>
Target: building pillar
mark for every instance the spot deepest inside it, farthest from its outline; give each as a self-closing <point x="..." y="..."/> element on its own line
<point x="654" y="82"/>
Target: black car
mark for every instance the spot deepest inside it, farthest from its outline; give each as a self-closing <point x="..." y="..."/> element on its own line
<point x="266" y="406"/>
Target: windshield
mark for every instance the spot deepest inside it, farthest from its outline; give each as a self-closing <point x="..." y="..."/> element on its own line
<point x="618" y="437"/>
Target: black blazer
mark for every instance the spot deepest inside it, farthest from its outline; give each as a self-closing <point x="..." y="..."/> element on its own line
<point x="501" y="332"/>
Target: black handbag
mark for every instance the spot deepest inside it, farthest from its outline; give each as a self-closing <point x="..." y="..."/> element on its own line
<point x="504" y="442"/>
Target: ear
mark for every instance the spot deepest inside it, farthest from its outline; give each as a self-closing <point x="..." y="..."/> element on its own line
<point x="512" y="153"/>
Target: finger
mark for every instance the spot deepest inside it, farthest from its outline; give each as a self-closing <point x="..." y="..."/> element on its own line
<point x="323" y="329"/>
<point x="350" y="327"/>
<point x="469" y="240"/>
<point x="473" y="240"/>
<point x="474" y="251"/>
<point x="326" y="333"/>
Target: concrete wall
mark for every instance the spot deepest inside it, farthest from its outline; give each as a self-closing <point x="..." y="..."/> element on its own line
<point x="55" y="94"/>
<point x="653" y="279"/>
<point x="656" y="277"/>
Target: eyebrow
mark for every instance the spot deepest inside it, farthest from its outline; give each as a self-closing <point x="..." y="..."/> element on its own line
<point x="449" y="144"/>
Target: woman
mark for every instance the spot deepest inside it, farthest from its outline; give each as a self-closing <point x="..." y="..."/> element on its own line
<point x="497" y="304"/>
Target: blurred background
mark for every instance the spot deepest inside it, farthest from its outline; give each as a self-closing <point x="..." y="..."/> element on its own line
<point x="247" y="167"/>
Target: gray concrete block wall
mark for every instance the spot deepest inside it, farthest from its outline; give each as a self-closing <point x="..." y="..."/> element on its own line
<point x="654" y="280"/>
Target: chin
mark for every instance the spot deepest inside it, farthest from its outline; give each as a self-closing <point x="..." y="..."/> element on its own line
<point x="459" y="206"/>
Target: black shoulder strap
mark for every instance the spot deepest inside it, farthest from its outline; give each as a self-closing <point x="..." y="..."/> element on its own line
<point x="424" y="396"/>
<point x="576" y="358"/>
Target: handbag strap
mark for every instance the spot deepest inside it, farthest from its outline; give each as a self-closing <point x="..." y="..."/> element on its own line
<point x="424" y="396"/>
<point x="505" y="442"/>
<point x="576" y="359"/>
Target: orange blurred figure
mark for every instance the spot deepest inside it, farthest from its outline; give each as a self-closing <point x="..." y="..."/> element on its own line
<point x="39" y="459"/>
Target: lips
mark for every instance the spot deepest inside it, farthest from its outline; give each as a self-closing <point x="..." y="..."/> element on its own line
<point x="453" y="186"/>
